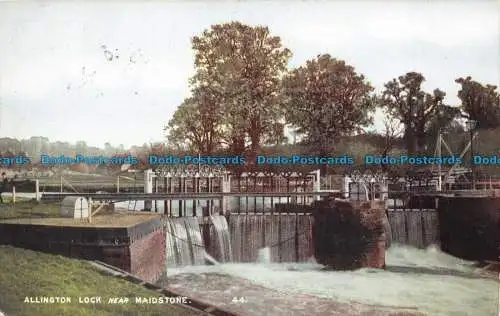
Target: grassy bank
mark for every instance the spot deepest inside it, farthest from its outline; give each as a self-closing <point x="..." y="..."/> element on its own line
<point x="25" y="273"/>
<point x="28" y="209"/>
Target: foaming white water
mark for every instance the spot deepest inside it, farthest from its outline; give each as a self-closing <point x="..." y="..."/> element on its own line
<point x="210" y="259"/>
<point x="427" y="280"/>
<point x="264" y="255"/>
<point x="432" y="257"/>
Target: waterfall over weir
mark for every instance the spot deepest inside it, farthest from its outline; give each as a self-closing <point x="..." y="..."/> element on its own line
<point x="188" y="239"/>
<point x="417" y="228"/>
<point x="184" y="241"/>
<point x="220" y="242"/>
<point x="289" y="236"/>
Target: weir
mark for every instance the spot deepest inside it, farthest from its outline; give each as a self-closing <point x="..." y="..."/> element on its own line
<point x="219" y="238"/>
<point x="288" y="236"/>
<point x="212" y="214"/>
<point x="184" y="243"/>
<point x="414" y="227"/>
<point x="235" y="217"/>
<point x="260" y="210"/>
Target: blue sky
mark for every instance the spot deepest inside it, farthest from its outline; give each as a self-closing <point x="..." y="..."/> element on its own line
<point x="57" y="77"/>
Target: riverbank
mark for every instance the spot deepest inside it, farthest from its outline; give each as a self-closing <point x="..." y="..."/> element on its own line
<point x="28" y="274"/>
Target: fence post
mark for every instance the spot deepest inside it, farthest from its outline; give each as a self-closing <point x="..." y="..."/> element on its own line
<point x="118" y="184"/>
<point x="296" y="239"/>
<point x="89" y="201"/>
<point x="345" y="187"/>
<point x="226" y="188"/>
<point x="155" y="190"/>
<point x="166" y="209"/>
<point x="13" y="194"/>
<point x="37" y="190"/>
<point x="210" y="203"/>
<point x="317" y="183"/>
<point x="148" y="188"/>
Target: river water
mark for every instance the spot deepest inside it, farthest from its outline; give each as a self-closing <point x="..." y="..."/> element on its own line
<point x="427" y="281"/>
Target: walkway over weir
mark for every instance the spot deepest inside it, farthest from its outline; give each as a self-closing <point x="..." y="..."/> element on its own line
<point x="176" y="196"/>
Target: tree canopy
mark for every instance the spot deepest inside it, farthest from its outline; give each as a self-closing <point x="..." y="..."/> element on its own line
<point x="196" y="125"/>
<point x="243" y="96"/>
<point x="242" y="65"/>
<point x="480" y="102"/>
<point x="415" y="108"/>
<point x="326" y="99"/>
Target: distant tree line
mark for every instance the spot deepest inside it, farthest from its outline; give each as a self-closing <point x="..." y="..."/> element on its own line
<point x="36" y="146"/>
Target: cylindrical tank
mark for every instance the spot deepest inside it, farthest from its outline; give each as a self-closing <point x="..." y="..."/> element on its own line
<point x="75" y="207"/>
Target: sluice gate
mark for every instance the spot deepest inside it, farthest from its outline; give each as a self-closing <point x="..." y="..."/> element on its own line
<point x="288" y="236"/>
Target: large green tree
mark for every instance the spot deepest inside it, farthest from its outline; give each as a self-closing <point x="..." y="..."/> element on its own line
<point x="445" y="121"/>
<point x="243" y="66"/>
<point x="415" y="108"/>
<point x="480" y="102"/>
<point x="326" y="99"/>
<point x="197" y="123"/>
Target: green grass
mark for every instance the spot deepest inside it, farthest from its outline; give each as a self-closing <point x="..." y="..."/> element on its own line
<point x="48" y="213"/>
<point x="25" y="273"/>
<point x="29" y="209"/>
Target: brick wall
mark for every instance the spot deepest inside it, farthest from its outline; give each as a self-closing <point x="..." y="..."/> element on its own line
<point x="147" y="256"/>
<point x="372" y="216"/>
<point x="142" y="254"/>
<point x="349" y="235"/>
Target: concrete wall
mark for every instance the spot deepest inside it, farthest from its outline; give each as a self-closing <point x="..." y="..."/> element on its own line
<point x="139" y="250"/>
<point x="470" y="227"/>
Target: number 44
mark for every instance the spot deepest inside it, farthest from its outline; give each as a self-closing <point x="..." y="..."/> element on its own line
<point x="238" y="300"/>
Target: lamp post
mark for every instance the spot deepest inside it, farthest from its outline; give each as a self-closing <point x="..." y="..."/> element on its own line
<point x="471" y="124"/>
